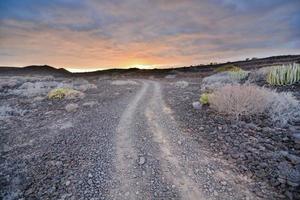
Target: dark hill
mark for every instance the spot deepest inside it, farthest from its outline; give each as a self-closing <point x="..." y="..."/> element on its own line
<point x="43" y="70"/>
<point x="245" y="64"/>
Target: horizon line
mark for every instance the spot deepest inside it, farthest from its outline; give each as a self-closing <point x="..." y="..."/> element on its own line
<point x="75" y="70"/>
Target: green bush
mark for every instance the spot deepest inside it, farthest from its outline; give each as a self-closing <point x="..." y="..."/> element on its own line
<point x="229" y="67"/>
<point x="204" y="98"/>
<point x="284" y="75"/>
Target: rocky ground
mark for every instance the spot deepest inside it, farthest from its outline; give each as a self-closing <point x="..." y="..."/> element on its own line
<point x="255" y="148"/>
<point x="52" y="153"/>
<point x="137" y="139"/>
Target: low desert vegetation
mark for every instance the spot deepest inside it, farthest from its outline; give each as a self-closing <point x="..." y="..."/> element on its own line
<point x="36" y="86"/>
<point x="235" y="93"/>
<point x="218" y="80"/>
<point x="259" y="75"/>
<point x="204" y="98"/>
<point x="226" y="68"/>
<point x="252" y="100"/>
<point x="284" y="75"/>
<point x="64" y="93"/>
<point x="240" y="100"/>
<point x="285" y="108"/>
<point x="239" y="75"/>
<point x="13" y="81"/>
<point x="31" y="89"/>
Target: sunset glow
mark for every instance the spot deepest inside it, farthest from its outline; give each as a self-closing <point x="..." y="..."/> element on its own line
<point x="91" y="35"/>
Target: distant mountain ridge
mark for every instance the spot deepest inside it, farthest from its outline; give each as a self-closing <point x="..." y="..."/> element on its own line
<point x="35" y="69"/>
<point x="245" y="64"/>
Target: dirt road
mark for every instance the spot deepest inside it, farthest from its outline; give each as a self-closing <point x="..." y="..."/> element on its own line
<point x="157" y="160"/>
<point x="127" y="146"/>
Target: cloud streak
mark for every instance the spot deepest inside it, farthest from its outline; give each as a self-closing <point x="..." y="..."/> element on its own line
<point x="121" y="33"/>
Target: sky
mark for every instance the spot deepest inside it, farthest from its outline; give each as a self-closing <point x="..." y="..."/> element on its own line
<point x="86" y="35"/>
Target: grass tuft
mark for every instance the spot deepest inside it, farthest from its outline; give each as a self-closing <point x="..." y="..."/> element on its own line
<point x="61" y="93"/>
<point x="239" y="75"/>
<point x="228" y="68"/>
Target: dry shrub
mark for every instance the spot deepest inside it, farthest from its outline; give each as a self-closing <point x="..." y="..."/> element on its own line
<point x="284" y="109"/>
<point x="228" y="67"/>
<point x="250" y="100"/>
<point x="8" y="82"/>
<point x="13" y="81"/>
<point x="259" y="75"/>
<point x="216" y="81"/>
<point x="67" y="93"/>
<point x="86" y="87"/>
<point x="239" y="75"/>
<point x="240" y="100"/>
<point x="39" y="86"/>
<point x="32" y="89"/>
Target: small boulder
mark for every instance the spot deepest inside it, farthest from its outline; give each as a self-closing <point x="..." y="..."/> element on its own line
<point x="181" y="84"/>
<point x="38" y="98"/>
<point x="86" y="87"/>
<point x="68" y="183"/>
<point x="197" y="105"/>
<point x="293" y="158"/>
<point x="71" y="107"/>
<point x="170" y="76"/>
<point x="66" y="125"/>
<point x="89" y="104"/>
<point x="142" y="160"/>
<point x="296" y="137"/>
<point x="293" y="179"/>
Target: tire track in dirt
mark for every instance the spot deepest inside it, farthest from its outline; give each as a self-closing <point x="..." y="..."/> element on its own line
<point x="125" y="152"/>
<point x="169" y="163"/>
<point x="148" y="129"/>
<point x="179" y="161"/>
<point x="153" y="184"/>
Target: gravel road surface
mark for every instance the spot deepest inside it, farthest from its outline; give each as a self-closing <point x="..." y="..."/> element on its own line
<point x="157" y="160"/>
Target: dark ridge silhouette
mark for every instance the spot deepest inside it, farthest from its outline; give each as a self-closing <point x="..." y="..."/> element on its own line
<point x="247" y="64"/>
<point x="244" y="64"/>
<point x="35" y="70"/>
<point x="252" y="63"/>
